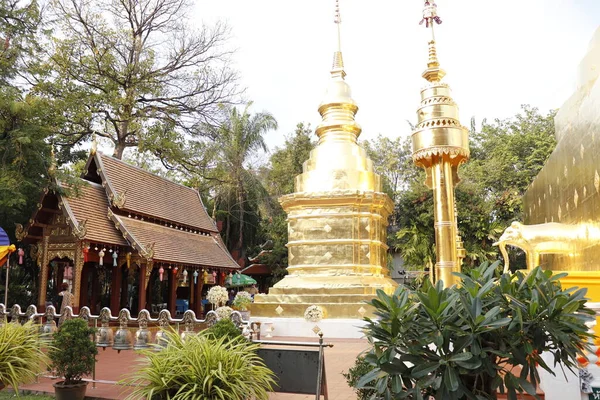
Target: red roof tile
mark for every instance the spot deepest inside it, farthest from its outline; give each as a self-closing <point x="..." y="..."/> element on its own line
<point x="152" y="195"/>
<point x="176" y="246"/>
<point x="92" y="205"/>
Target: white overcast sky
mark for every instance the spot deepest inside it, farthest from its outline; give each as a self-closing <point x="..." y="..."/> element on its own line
<point x="497" y="54"/>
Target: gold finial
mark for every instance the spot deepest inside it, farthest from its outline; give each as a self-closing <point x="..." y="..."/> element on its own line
<point x="94" y="144"/>
<point x="338" y="61"/>
<point x="433" y="73"/>
<point x="338" y="108"/>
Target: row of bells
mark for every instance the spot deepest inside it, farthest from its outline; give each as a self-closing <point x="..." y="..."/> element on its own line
<point x="122" y="340"/>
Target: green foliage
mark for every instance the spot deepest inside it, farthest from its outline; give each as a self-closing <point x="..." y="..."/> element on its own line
<point x="464" y="341"/>
<point x="361" y="368"/>
<point x="21" y="357"/>
<point x="74" y="352"/>
<point x="224" y="328"/>
<point x="242" y="300"/>
<point x="202" y="368"/>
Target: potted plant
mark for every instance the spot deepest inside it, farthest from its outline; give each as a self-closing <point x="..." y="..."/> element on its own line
<point x="21" y="355"/>
<point x="72" y="357"/>
<point x="464" y="342"/>
<point x="202" y="367"/>
<point x="241" y="302"/>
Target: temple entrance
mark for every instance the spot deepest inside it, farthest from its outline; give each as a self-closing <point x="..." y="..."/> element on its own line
<point x="61" y="270"/>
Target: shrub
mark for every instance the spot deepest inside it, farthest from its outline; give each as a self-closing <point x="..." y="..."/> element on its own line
<point x="224" y="312"/>
<point x="242" y="300"/>
<point x="361" y="368"/>
<point x="224" y="328"/>
<point x="201" y="367"/>
<point x="74" y="353"/>
<point x="464" y="341"/>
<point x="21" y="357"/>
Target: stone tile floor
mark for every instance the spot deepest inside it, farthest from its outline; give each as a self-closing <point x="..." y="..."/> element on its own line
<point x="113" y="366"/>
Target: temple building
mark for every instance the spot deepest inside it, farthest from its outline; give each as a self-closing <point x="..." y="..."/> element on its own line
<point x="337" y="220"/>
<point x="128" y="239"/>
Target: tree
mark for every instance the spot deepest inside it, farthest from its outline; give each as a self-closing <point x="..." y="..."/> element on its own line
<point x="130" y="69"/>
<point x="224" y="165"/>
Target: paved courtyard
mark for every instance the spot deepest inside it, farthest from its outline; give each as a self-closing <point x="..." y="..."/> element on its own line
<point x="113" y="366"/>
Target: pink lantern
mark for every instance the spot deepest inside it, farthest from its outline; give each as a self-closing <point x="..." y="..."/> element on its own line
<point x="161" y="271"/>
<point x="68" y="272"/>
<point x="21" y="253"/>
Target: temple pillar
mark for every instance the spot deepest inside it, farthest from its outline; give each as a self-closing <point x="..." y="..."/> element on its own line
<point x="95" y="290"/>
<point x="83" y="286"/>
<point x="115" y="289"/>
<point x="142" y="287"/>
<point x="124" y="286"/>
<point x="198" y="298"/>
<point x="43" y="281"/>
<point x="172" y="293"/>
<point x="77" y="275"/>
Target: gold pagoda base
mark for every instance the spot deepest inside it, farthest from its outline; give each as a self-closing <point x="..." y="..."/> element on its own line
<point x="346" y="302"/>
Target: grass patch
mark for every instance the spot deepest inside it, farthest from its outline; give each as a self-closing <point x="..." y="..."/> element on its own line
<point x="11" y="395"/>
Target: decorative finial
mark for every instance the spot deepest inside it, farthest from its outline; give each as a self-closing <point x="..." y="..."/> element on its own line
<point x="433" y="73"/>
<point x="338" y="63"/>
<point x="94" y="144"/>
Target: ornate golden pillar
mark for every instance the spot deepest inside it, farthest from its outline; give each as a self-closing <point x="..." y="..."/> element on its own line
<point x="440" y="145"/>
<point x="43" y="281"/>
<point x="78" y="271"/>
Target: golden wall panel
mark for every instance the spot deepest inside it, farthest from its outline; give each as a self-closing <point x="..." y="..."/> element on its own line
<point x="567" y="189"/>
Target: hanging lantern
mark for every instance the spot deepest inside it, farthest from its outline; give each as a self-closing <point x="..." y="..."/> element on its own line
<point x="114" y="256"/>
<point x="195" y="275"/>
<point x="175" y="270"/>
<point x="205" y="275"/>
<point x="21" y="253"/>
<point x="101" y="257"/>
<point x="161" y="271"/>
<point x="86" y="250"/>
<point x="214" y="275"/>
<point x="96" y="248"/>
<point x="128" y="259"/>
<point x="185" y="274"/>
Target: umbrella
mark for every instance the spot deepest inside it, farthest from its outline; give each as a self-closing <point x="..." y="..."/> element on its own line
<point x="241" y="280"/>
<point x="5" y="247"/>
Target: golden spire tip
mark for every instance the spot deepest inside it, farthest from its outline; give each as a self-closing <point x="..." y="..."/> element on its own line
<point x="338" y="61"/>
<point x="433" y="73"/>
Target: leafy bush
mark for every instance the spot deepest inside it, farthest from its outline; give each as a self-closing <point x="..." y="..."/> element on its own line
<point x="464" y="341"/>
<point x="242" y="300"/>
<point x="202" y="367"/>
<point x="74" y="353"/>
<point x="224" y="312"/>
<point x="361" y="368"/>
<point x="21" y="357"/>
<point x="224" y="328"/>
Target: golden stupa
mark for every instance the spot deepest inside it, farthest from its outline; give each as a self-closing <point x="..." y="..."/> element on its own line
<point x="337" y="220"/>
<point x="440" y="146"/>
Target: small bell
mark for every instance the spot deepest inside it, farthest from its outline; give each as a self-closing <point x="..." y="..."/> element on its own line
<point x="195" y="275"/>
<point x="161" y="271"/>
<point x="185" y="275"/>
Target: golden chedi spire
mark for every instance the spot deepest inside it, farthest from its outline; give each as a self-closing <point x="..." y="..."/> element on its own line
<point x="337" y="219"/>
<point x="440" y="145"/>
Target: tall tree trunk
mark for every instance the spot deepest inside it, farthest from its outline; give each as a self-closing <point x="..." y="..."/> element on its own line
<point x="240" y="199"/>
<point x="119" y="148"/>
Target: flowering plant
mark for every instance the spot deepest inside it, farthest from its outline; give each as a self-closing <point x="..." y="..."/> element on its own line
<point x="242" y="300"/>
<point x="224" y="312"/>
<point x="313" y="313"/>
<point x="217" y="295"/>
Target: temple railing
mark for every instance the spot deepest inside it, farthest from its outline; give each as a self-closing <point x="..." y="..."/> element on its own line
<point x="124" y="338"/>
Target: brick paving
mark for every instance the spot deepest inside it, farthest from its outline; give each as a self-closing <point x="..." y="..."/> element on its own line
<point x="114" y="366"/>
